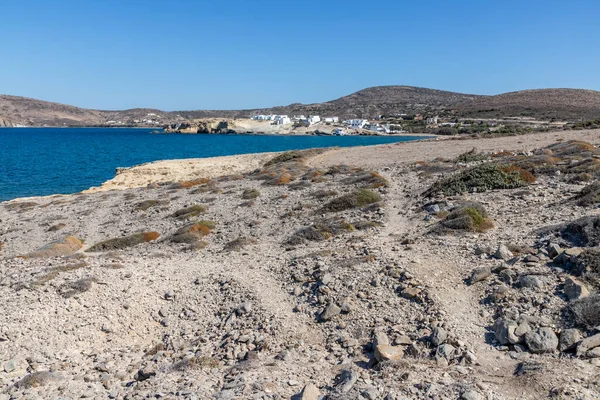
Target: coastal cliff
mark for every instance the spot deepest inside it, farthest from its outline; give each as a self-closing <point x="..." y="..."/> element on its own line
<point x="4" y="123"/>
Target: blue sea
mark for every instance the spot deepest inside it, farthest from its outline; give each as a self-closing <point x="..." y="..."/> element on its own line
<point x="43" y="161"/>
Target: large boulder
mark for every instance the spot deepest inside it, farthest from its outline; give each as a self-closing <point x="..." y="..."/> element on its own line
<point x="542" y="340"/>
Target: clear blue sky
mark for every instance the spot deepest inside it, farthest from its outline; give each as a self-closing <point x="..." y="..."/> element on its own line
<point x="185" y="54"/>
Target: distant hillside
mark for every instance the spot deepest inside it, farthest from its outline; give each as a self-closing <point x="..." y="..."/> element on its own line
<point x="562" y="104"/>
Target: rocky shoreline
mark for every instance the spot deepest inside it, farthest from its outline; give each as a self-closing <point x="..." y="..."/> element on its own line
<point x="403" y="271"/>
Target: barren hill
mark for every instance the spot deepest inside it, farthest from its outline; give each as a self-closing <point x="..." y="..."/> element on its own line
<point x="562" y="104"/>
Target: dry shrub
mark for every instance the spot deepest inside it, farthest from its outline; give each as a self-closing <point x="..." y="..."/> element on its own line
<point x="589" y="195"/>
<point x="193" y="233"/>
<point x="470" y="156"/>
<point x="502" y="154"/>
<point x="580" y="177"/>
<point x="320" y="231"/>
<point x="285" y="157"/>
<point x="36" y="379"/>
<point x="583" y="232"/>
<point x="1" y="246"/>
<point x="192" y="183"/>
<point x="359" y="198"/>
<point x="54" y="271"/>
<point x="372" y="180"/>
<point x="572" y="147"/>
<point x="196" y="363"/>
<point x="282" y="179"/>
<point x="587" y="266"/>
<point x="365" y="225"/>
<point x="146" y="204"/>
<point x="124" y="242"/>
<point x="469" y="216"/>
<point x="77" y="287"/>
<point x="586" y="311"/>
<point x="523" y="174"/>
<point x="21" y="206"/>
<point x="248" y="203"/>
<point x="300" y="185"/>
<point x="191" y="211"/>
<point x="250" y="194"/>
<point x="66" y="247"/>
<point x="322" y="193"/>
<point x="239" y="244"/>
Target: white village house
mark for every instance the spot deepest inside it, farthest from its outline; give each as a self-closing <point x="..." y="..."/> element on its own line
<point x="313" y="119"/>
<point x="281" y="120"/>
<point x="331" y="119"/>
<point x="357" y="123"/>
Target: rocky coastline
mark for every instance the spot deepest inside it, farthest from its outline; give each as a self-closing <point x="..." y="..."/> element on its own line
<point x="449" y="269"/>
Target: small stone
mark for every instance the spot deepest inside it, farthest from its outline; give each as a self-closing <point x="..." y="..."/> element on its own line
<point x="346" y="380"/>
<point x="246" y="307"/>
<point x="310" y="392"/>
<point x="446" y="351"/>
<point x="575" y="289"/>
<point x="588" y="343"/>
<point x="380" y="338"/>
<point x="145" y="373"/>
<point x="10" y="366"/>
<point x="438" y="336"/>
<point x="502" y="329"/>
<point x="388" y="353"/>
<point x="542" y="340"/>
<point x="531" y="281"/>
<point x="327" y="278"/>
<point x="410" y="293"/>
<point x="169" y="295"/>
<point x="402" y="340"/>
<point x="553" y="250"/>
<point x="331" y="311"/>
<point x="503" y="253"/>
<point x="480" y="274"/>
<point x="370" y="393"/>
<point x="569" y="339"/>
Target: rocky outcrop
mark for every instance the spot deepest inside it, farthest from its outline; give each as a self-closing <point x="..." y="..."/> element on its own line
<point x="201" y="126"/>
<point x="4" y="123"/>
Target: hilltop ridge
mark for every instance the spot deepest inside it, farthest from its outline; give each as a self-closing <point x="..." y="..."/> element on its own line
<point x="560" y="104"/>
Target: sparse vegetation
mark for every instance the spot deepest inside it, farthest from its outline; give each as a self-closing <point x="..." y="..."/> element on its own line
<point x="35" y="379"/>
<point x="482" y="178"/>
<point x="323" y="193"/>
<point x="146" y="204"/>
<point x="250" y="194"/>
<point x="469" y="216"/>
<point x="192" y="183"/>
<point x="586" y="311"/>
<point x="124" y="242"/>
<point x="193" y="233"/>
<point x="470" y="156"/>
<point x="77" y="287"/>
<point x="320" y="231"/>
<point x="67" y="246"/>
<point x="589" y="195"/>
<point x="587" y="266"/>
<point x="370" y="180"/>
<point x="239" y="244"/>
<point x="359" y="198"/>
<point x="190" y="212"/>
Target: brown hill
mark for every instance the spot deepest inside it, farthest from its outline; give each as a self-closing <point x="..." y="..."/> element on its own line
<point x="562" y="104"/>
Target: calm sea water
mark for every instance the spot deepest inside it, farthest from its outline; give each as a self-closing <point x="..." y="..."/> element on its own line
<point x="43" y="161"/>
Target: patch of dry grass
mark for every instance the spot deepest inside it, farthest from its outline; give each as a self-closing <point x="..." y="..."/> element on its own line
<point x="359" y="198"/>
<point x="190" y="212"/>
<point x="239" y="244"/>
<point x="124" y="242"/>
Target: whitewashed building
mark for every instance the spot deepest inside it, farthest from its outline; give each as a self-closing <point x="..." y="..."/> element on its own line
<point x="281" y="120"/>
<point x="331" y="119"/>
<point x="313" y="119"/>
<point x="357" y="123"/>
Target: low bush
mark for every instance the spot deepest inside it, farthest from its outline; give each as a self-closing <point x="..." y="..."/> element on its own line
<point x="586" y="311"/>
<point x="468" y="217"/>
<point x="320" y="231"/>
<point x="250" y="194"/>
<point x="65" y="247"/>
<point x="192" y="183"/>
<point x="54" y="271"/>
<point x="239" y="244"/>
<point x="124" y="242"/>
<point x="192" y="233"/>
<point x="587" y="266"/>
<point x="284" y="157"/>
<point x="470" y="156"/>
<point x="191" y="211"/>
<point x="322" y="193"/>
<point x="583" y="232"/>
<point x="36" y="379"/>
<point x="300" y="185"/>
<point x="359" y="198"/>
<point x="21" y="206"/>
<point x="482" y="178"/>
<point x="370" y="180"/>
<point x="77" y="287"/>
<point x="589" y="195"/>
<point x="146" y="204"/>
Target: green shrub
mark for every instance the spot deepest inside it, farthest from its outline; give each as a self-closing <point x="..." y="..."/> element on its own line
<point x="468" y="217"/>
<point x="146" y="204"/>
<point x="480" y="179"/>
<point x="124" y="242"/>
<point x="239" y="244"/>
<point x="471" y="156"/>
<point x="359" y="198"/>
<point x="284" y="157"/>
